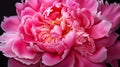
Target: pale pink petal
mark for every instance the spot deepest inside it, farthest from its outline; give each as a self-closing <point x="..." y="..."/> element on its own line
<point x="98" y="56"/>
<point x="114" y="51"/>
<point x="6" y="43"/>
<point x="106" y="41"/>
<point x="91" y="5"/>
<point x="100" y="30"/>
<point x="14" y="63"/>
<point x="112" y="13"/>
<point x="23" y="50"/>
<point x="10" y="24"/>
<point x="83" y="62"/>
<point x="56" y="58"/>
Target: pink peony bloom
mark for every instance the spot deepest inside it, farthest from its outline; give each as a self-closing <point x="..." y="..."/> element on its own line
<point x="62" y="33"/>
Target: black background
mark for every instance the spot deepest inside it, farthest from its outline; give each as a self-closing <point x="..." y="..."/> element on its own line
<point x="7" y="8"/>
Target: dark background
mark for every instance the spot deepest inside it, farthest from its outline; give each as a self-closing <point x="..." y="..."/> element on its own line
<point x="7" y="8"/>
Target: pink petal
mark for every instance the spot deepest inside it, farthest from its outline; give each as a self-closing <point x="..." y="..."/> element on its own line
<point x="112" y="13"/>
<point x="98" y="56"/>
<point x="6" y="44"/>
<point x="49" y="2"/>
<point x="69" y="61"/>
<point x="106" y="41"/>
<point x="69" y="39"/>
<point x="100" y="30"/>
<point x="10" y="24"/>
<point x="91" y="5"/>
<point x="83" y="62"/>
<point x="26" y="61"/>
<point x="14" y="63"/>
<point x="114" y="51"/>
<point x="23" y="50"/>
<point x="19" y="8"/>
<point x="28" y="11"/>
<point x="35" y="4"/>
<point x="56" y="58"/>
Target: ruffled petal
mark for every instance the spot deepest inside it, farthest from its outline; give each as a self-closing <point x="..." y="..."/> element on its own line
<point x="100" y="30"/>
<point x="10" y="24"/>
<point x="14" y="63"/>
<point x="98" y="56"/>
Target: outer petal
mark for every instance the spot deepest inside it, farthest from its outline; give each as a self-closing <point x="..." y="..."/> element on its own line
<point x="112" y="13"/>
<point x="83" y="62"/>
<point x="14" y="63"/>
<point x="47" y="57"/>
<point x="69" y="61"/>
<point x="6" y="43"/>
<point x="35" y="4"/>
<point x="100" y="30"/>
<point x="114" y="51"/>
<point x="99" y="56"/>
<point x="23" y="50"/>
<point x="107" y="41"/>
<point x="91" y="5"/>
<point x="10" y="24"/>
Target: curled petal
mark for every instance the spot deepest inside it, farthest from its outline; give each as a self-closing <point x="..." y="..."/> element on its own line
<point x="10" y="24"/>
<point x="100" y="30"/>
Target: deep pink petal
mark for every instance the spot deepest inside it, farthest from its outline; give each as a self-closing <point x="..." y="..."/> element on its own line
<point x="106" y="41"/>
<point x="91" y="5"/>
<point x="100" y="30"/>
<point x="112" y="13"/>
<point x="83" y="62"/>
<point x="56" y="58"/>
<point x="14" y="63"/>
<point x="114" y="51"/>
<point x="23" y="50"/>
<point x="99" y="56"/>
<point x="19" y="8"/>
<point x="10" y="24"/>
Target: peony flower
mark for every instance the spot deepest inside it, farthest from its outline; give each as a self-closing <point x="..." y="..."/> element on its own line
<point x="62" y="33"/>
